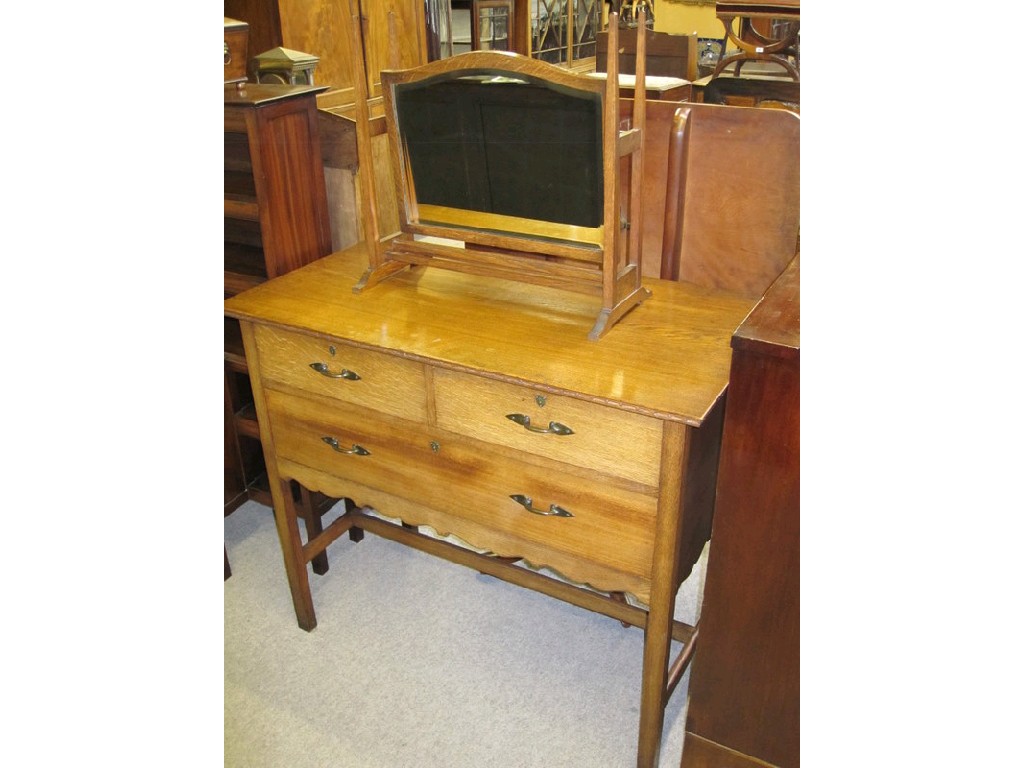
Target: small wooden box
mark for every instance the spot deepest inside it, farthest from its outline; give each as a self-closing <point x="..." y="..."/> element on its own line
<point x="236" y="50"/>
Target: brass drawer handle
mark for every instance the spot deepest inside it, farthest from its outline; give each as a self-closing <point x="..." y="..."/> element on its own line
<point x="553" y="511"/>
<point x="355" y="450"/>
<point x="553" y="428"/>
<point x="322" y="369"/>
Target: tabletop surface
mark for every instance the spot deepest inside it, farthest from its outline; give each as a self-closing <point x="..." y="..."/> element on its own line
<point x="668" y="357"/>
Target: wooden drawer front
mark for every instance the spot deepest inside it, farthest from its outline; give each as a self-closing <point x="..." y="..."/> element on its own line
<point x="609" y="526"/>
<point x="606" y="439"/>
<point x="385" y="383"/>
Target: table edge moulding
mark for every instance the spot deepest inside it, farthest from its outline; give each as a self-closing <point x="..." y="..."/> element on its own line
<point x="413" y="401"/>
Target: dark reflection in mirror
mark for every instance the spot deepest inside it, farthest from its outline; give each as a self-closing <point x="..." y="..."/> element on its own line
<point x="505" y="146"/>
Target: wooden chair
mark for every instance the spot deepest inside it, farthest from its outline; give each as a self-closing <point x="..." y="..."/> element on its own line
<point x="732" y="207"/>
<point x="780" y="46"/>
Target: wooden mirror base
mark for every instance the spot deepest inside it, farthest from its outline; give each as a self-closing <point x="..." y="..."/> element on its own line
<point x="404" y="252"/>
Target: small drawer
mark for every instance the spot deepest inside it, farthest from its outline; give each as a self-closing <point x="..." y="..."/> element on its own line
<point x="606" y="525"/>
<point x="362" y="377"/>
<point x="603" y="438"/>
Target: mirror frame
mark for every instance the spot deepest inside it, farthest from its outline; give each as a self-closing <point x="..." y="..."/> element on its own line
<point x="603" y="261"/>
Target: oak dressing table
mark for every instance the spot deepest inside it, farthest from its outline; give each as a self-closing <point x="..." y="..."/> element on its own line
<point x="478" y="406"/>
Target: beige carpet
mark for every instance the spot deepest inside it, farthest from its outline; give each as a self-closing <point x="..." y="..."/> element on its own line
<point x="420" y="662"/>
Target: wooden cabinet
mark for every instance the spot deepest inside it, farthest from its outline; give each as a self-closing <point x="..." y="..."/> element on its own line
<point x="744" y="708"/>
<point x="275" y="220"/>
<point x="394" y="35"/>
<point x="275" y="211"/>
<point x="478" y="407"/>
<point x="666" y="55"/>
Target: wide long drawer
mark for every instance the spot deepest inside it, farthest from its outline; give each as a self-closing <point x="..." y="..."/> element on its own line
<point x="609" y="525"/>
<point x="370" y="379"/>
<point x="566" y="429"/>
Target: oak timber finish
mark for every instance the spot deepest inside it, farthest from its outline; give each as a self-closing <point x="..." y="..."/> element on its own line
<point x="655" y="189"/>
<point x="744" y="707"/>
<point x="395" y="37"/>
<point x="608" y="539"/>
<point x="671" y="365"/>
<point x="342" y="166"/>
<point x="480" y="407"/>
<point x="391" y="384"/>
<point x="451" y="356"/>
<point x="606" y="261"/>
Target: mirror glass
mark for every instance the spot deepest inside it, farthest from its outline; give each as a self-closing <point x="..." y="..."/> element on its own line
<point x="505" y="153"/>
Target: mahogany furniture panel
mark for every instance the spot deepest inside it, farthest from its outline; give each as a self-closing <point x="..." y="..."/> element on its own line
<point x="732" y="209"/>
<point x="275" y="220"/>
<point x="478" y="406"/>
<point x="744" y="707"/>
<point x="721" y="194"/>
<point x="668" y="55"/>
